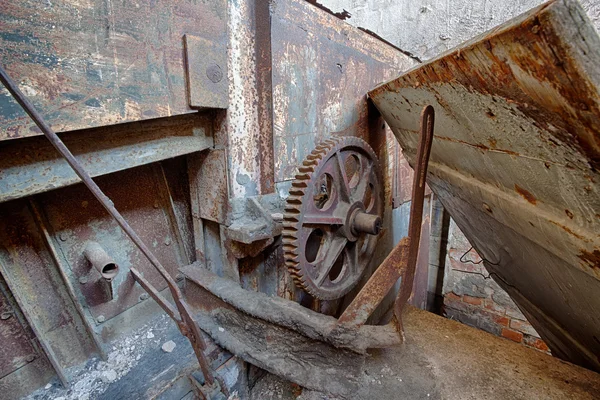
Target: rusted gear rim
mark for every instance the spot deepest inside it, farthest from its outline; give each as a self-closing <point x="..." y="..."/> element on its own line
<point x="302" y="191"/>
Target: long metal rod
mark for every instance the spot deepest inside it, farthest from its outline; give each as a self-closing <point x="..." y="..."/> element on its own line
<point x="108" y="205"/>
<point x="416" y="208"/>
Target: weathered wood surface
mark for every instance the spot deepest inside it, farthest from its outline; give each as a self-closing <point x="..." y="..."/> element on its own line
<point x="516" y="161"/>
<point x="92" y="63"/>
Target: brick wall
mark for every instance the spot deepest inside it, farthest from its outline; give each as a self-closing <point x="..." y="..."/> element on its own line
<point x="472" y="297"/>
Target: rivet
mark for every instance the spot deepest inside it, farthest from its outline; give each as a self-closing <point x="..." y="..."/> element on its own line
<point x="100" y="319"/>
<point x="144" y="296"/>
<point x="63" y="237"/>
<point x="30" y="358"/>
<point x="5" y="315"/>
<point x="167" y="241"/>
<point x="83" y="280"/>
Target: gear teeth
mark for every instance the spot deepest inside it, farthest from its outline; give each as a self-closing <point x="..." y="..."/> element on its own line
<point x="294" y="205"/>
<point x="307" y="169"/>
<point x="300" y="184"/>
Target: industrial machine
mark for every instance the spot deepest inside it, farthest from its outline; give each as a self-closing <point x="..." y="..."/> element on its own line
<point x="194" y="193"/>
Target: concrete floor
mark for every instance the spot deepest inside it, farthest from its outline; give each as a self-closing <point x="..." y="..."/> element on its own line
<point x="444" y="359"/>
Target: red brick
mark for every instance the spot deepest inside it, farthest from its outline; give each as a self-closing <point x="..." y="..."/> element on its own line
<point x="504" y="321"/>
<point x="536" y="343"/>
<point x="512" y="335"/>
<point x="452" y="296"/>
<point x="476" y="301"/>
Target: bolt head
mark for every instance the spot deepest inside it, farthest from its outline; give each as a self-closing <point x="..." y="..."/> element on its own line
<point x="214" y="73"/>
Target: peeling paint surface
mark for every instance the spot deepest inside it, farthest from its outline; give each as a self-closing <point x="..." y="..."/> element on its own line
<point x="322" y="69"/>
<point x="86" y="64"/>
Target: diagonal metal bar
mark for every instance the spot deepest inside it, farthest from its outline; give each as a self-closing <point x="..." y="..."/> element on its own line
<point x="191" y="333"/>
<point x="416" y="210"/>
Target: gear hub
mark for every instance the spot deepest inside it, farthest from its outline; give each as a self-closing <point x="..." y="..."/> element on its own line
<point x="333" y="216"/>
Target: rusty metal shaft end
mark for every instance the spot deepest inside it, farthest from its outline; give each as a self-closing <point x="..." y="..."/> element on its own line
<point x="368" y="223"/>
<point x="104" y="264"/>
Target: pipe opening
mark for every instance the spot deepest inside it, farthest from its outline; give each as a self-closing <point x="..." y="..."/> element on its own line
<point x="101" y="261"/>
<point x="110" y="271"/>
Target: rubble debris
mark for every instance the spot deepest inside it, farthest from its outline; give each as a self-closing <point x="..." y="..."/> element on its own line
<point x="168" y="346"/>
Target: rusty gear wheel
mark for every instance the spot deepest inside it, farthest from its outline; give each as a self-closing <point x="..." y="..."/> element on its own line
<point x="333" y="216"/>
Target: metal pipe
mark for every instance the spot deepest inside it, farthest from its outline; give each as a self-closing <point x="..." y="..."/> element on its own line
<point x="104" y="264"/>
<point x="188" y="329"/>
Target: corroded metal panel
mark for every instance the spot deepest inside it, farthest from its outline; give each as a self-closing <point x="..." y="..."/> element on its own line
<point x="516" y="161"/>
<point x="75" y="217"/>
<point x="17" y="348"/>
<point x="208" y="172"/>
<point x="93" y="63"/>
<point x="37" y="287"/>
<point x="322" y="68"/>
<point x="206" y="71"/>
<point x="33" y="166"/>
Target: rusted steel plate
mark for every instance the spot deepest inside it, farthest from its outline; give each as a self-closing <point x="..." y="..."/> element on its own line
<point x="322" y="68"/>
<point x="206" y="71"/>
<point x="35" y="282"/>
<point x="208" y="175"/>
<point x="33" y="166"/>
<point x="17" y="349"/>
<point x="95" y="63"/>
<point x="515" y="161"/>
<point x="76" y="217"/>
<point x="378" y="286"/>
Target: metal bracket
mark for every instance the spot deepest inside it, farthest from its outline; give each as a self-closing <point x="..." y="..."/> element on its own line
<point x="206" y="70"/>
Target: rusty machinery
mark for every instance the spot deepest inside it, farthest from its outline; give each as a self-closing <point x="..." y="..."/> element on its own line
<point x="338" y="190"/>
<point x="333" y="216"/>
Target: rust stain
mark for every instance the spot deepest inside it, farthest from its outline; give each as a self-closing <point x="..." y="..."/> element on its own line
<point x="591" y="259"/>
<point x="479" y="145"/>
<point x="526" y="194"/>
<point x="570" y="231"/>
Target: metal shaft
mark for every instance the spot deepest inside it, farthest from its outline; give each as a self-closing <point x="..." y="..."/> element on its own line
<point x="416" y="208"/>
<point x="106" y="203"/>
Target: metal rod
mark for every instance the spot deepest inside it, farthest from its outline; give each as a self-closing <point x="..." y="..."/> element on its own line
<point x="416" y="209"/>
<point x="108" y="205"/>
